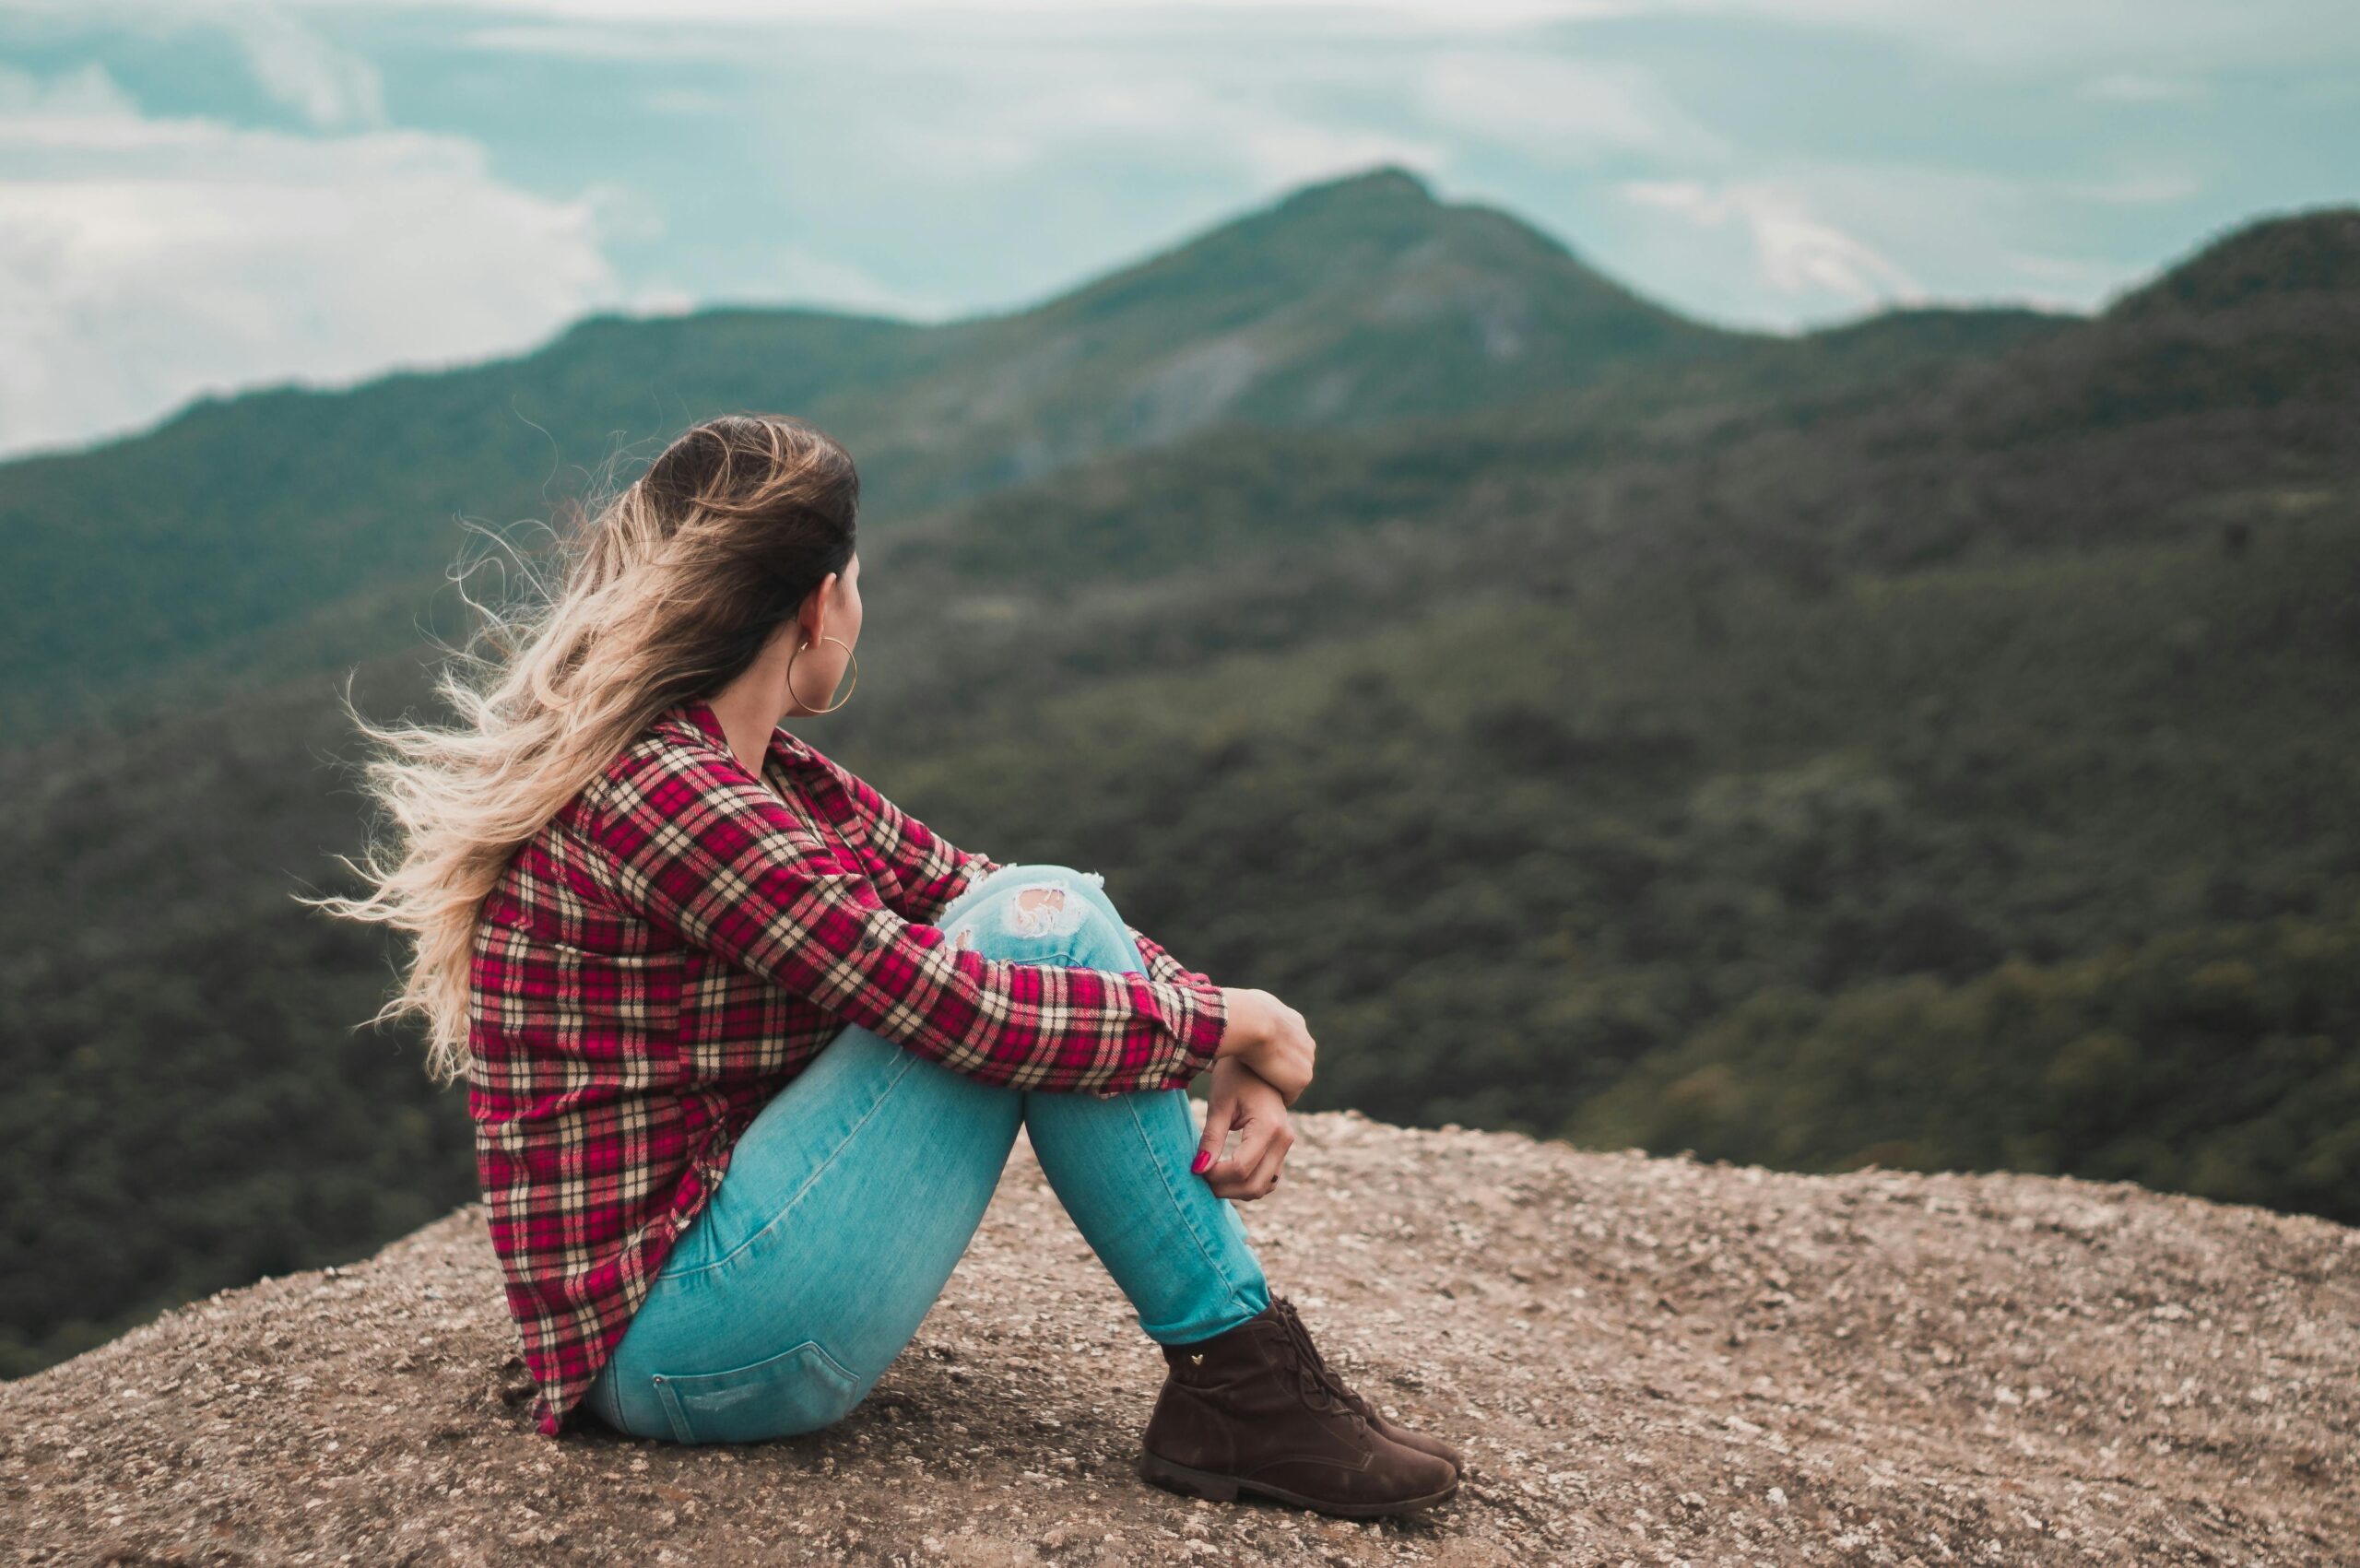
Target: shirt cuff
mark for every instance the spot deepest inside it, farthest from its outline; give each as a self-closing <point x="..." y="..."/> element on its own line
<point x="1206" y="1022"/>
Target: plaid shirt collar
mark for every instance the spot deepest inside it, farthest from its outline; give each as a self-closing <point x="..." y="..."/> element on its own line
<point x="785" y="749"/>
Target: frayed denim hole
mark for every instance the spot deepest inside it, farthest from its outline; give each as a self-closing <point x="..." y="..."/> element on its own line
<point x="1045" y="909"/>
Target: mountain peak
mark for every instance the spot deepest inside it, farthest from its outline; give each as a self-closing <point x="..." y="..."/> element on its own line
<point x="1386" y="182"/>
<point x="2312" y="252"/>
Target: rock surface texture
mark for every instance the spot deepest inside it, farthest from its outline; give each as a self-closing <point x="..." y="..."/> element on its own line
<point x="1646" y="1361"/>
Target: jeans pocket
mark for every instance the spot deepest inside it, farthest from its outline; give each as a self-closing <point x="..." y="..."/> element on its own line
<point x="799" y="1389"/>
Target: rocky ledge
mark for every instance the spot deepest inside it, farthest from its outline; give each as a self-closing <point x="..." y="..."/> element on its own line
<point x="1645" y="1360"/>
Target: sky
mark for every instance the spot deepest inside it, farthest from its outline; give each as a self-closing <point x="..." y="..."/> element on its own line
<point x="205" y="196"/>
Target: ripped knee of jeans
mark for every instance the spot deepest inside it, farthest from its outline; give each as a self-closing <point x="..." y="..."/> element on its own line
<point x="1037" y="909"/>
<point x="1043" y="909"/>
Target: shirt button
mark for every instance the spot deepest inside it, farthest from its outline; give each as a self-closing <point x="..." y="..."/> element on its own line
<point x="872" y="941"/>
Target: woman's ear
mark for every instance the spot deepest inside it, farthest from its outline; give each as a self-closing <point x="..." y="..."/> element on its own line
<point x="828" y="595"/>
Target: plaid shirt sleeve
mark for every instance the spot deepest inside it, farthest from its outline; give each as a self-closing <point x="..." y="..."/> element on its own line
<point x="933" y="871"/>
<point x="1161" y="965"/>
<point x="701" y="850"/>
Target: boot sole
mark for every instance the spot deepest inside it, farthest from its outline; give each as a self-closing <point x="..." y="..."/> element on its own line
<point x="1215" y="1487"/>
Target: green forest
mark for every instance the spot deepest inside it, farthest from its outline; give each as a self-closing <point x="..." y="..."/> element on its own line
<point x="1924" y="742"/>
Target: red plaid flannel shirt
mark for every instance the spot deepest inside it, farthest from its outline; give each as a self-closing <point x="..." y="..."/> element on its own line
<point x="673" y="947"/>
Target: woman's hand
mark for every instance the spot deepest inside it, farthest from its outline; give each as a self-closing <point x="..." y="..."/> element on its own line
<point x="1267" y="1036"/>
<point x="1242" y="1101"/>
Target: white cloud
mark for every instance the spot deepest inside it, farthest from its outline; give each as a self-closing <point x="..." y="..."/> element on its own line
<point x="1280" y="150"/>
<point x="2111" y="35"/>
<point x="1799" y="254"/>
<point x="1559" y="109"/>
<point x="2060" y="283"/>
<point x="292" y="64"/>
<point x="329" y="87"/>
<point x="1457" y="16"/>
<point x="2097" y="34"/>
<point x="726" y="30"/>
<point x="1817" y="233"/>
<point x="85" y="95"/>
<point x="579" y="42"/>
<point x="1036" y="106"/>
<point x="976" y="99"/>
<point x="817" y="282"/>
<point x="144" y="261"/>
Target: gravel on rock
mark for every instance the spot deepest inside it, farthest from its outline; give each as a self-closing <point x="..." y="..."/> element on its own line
<point x="1645" y="1360"/>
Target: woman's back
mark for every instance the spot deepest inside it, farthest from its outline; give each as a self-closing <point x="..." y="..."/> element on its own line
<point x="675" y="945"/>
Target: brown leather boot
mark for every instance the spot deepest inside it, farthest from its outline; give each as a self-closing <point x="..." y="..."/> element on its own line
<point x="1368" y="1412"/>
<point x="1254" y="1409"/>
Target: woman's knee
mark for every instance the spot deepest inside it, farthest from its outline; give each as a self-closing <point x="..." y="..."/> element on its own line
<point x="1033" y="901"/>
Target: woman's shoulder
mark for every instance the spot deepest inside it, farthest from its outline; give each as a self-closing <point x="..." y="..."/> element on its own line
<point x="679" y="782"/>
<point x="669" y="746"/>
<point x="675" y="732"/>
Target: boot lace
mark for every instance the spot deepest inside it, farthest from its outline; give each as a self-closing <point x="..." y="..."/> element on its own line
<point x="1318" y="1380"/>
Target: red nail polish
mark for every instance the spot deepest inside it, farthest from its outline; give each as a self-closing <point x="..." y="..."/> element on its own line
<point x="1204" y="1157"/>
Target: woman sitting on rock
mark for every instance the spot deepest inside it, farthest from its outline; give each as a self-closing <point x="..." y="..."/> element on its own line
<point x="668" y="941"/>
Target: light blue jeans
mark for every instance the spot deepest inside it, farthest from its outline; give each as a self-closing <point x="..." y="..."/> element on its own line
<point x="852" y="1194"/>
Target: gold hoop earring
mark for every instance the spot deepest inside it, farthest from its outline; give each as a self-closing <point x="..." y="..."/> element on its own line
<point x="849" y="654"/>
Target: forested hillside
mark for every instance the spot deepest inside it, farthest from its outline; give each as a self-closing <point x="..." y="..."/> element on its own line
<point x="1924" y="743"/>
<point x="292" y="529"/>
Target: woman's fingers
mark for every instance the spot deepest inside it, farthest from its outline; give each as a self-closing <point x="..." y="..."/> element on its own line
<point x="1278" y="1156"/>
<point x="1220" y="1111"/>
<point x="1249" y="1173"/>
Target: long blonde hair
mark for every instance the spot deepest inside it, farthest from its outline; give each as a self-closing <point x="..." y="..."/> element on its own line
<point x="668" y="591"/>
